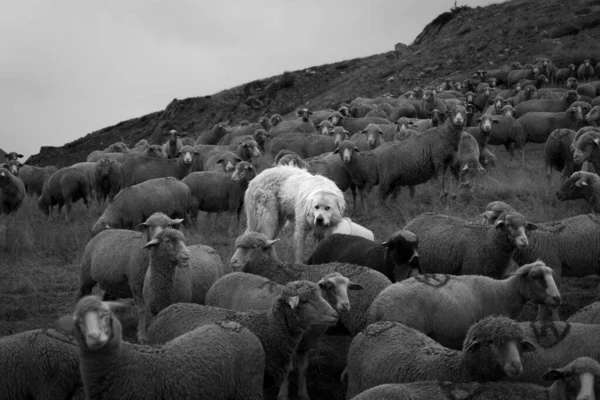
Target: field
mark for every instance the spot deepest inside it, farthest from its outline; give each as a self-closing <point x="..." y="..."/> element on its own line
<point x="39" y="258"/>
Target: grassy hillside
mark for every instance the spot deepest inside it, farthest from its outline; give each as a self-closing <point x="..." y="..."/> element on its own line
<point x="455" y="43"/>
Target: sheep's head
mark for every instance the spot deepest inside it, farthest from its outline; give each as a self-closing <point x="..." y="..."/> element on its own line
<point x="428" y="96"/>
<point x="492" y="82"/>
<point x="339" y="134"/>
<point x="158" y="222"/>
<point x="495" y="345"/>
<point x="587" y="62"/>
<point x="155" y="150"/>
<point x="574" y="113"/>
<point x="187" y="154"/>
<point x="13" y="166"/>
<point x="457" y="116"/>
<point x="293" y="160"/>
<point x="486" y="122"/>
<point x="346" y="150"/>
<point x="324" y="127"/>
<point x="493" y="210"/>
<point x="402" y="249"/>
<point x="244" y="172"/>
<point x="222" y="128"/>
<point x="578" y="186"/>
<point x="169" y="245"/>
<point x="118" y="147"/>
<point x="13" y="155"/>
<point x="516" y="228"/>
<point x="541" y="78"/>
<point x="592" y="117"/>
<point x="141" y="143"/>
<point x="576" y="380"/>
<point x="334" y="289"/>
<point x="305" y="298"/>
<point x="572" y="83"/>
<point x="406" y="123"/>
<point x="244" y="122"/>
<point x="570" y="96"/>
<point x="508" y="111"/>
<point x="93" y="323"/>
<point x="410" y="95"/>
<point x="276" y="119"/>
<point x="530" y="92"/>
<point x="373" y="133"/>
<point x="344" y="110"/>
<point x="469" y="97"/>
<point x="499" y="102"/>
<point x="572" y="67"/>
<point x="252" y="251"/>
<point x="260" y="136"/>
<point x="538" y="285"/>
<point x="173" y="135"/>
<point x="305" y="114"/>
<point x="248" y="149"/>
<point x="584" y="106"/>
<point x="335" y="118"/>
<point x="436" y="117"/>
<point x="228" y="160"/>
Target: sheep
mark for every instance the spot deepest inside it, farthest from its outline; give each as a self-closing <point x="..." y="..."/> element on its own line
<point x="482" y="133"/>
<point x="362" y="168"/>
<point x="589" y="314"/>
<point x="304" y="125"/>
<point x="451" y="245"/>
<point x="173" y="146"/>
<point x="466" y="166"/>
<point x="216" y="191"/>
<point x="310" y="145"/>
<point x="391" y="352"/>
<point x="431" y="102"/>
<point x="260" y="136"/>
<point x="152" y="150"/>
<point x="423" y="125"/>
<point x="140" y="143"/>
<point x="214" y="135"/>
<point x="177" y="273"/>
<point x="368" y="139"/>
<point x="557" y="343"/>
<point x="118" y="147"/>
<point x="538" y="125"/>
<point x="255" y="254"/>
<point x="133" y="205"/>
<point x="550" y="105"/>
<point x="529" y="92"/>
<point x="586" y="148"/>
<point x="12" y="192"/>
<point x="585" y="71"/>
<point x="210" y="362"/>
<point x="114" y="259"/>
<point x="396" y="258"/>
<point x="403" y="110"/>
<point x="279" y="327"/>
<point x="12" y="156"/>
<point x="582" y="185"/>
<point x="557" y="243"/>
<point x="593" y="116"/>
<point x="106" y="179"/>
<point x="515" y="76"/>
<point x="444" y="306"/>
<point x="244" y="292"/>
<point x="64" y="187"/>
<point x="39" y="364"/>
<point x="416" y="160"/>
<point x="558" y="155"/>
<point x="139" y="169"/>
<point x="569" y="382"/>
<point x="353" y="125"/>
<point x="34" y="177"/>
<point x="210" y="155"/>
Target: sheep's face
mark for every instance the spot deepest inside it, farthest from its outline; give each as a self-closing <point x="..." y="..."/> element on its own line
<point x="402" y="249"/>
<point x="575" y="380"/>
<point x="345" y="111"/>
<point x="373" y="133"/>
<point x="325" y="127"/>
<point x="339" y="134"/>
<point x="325" y="209"/>
<point x="530" y="92"/>
<point x="13" y="166"/>
<point x="435" y="117"/>
<point x="516" y="227"/>
<point x="249" y="149"/>
<point x="155" y="151"/>
<point x="244" y="172"/>
<point x="169" y="244"/>
<point x="470" y="96"/>
<point x="310" y="307"/>
<point x="335" y="118"/>
<point x="571" y="96"/>
<point x="249" y="251"/>
<point x="428" y="96"/>
<point x="228" y="162"/>
<point x="486" y="122"/>
<point x="458" y="116"/>
<point x="586" y="63"/>
<point x="305" y="114"/>
<point x="592" y="117"/>
<point x="12" y="156"/>
<point x="576" y="187"/>
<point x="334" y="288"/>
<point x="542" y="287"/>
<point x="508" y="111"/>
<point x="572" y="83"/>
<point x="498" y="104"/>
<point x="410" y="95"/>
<point x="346" y="150"/>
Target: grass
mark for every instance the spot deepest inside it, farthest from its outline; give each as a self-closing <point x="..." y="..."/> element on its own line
<point x="39" y="267"/>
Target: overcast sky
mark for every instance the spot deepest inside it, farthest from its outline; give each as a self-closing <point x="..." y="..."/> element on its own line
<point x="70" y="67"/>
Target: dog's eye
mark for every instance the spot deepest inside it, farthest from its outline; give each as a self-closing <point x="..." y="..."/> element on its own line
<point x="327" y="208"/>
<point x="316" y="207"/>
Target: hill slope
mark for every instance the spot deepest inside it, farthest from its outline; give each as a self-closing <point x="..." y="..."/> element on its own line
<point x="454" y="43"/>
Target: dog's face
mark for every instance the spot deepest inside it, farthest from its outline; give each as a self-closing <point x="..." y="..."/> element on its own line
<point x="326" y="209"/>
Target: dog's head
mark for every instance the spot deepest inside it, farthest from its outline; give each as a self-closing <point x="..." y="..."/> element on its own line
<point x="326" y="209"/>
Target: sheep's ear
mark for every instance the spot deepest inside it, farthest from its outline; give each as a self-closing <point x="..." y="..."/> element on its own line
<point x="386" y="244"/>
<point x="310" y="112"/>
<point x="499" y="223"/>
<point x="347" y="134"/>
<point x="355" y="286"/>
<point x="487" y="214"/>
<point x="597" y="141"/>
<point x="270" y="243"/>
<point x="478" y="120"/>
<point x="336" y="151"/>
<point x="527" y="345"/>
<point x="66" y="323"/>
<point x="466" y="167"/>
<point x="152" y="243"/>
<point x="220" y="161"/>
<point x="141" y="227"/>
<point x="495" y="121"/>
<point x="530" y="226"/>
<point x="472" y="346"/>
<point x="293" y="301"/>
<point x="581" y="182"/>
<point x="176" y="221"/>
<point x="553" y="375"/>
<point x="19" y="155"/>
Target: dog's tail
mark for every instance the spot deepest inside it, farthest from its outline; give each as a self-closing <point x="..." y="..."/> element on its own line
<point x="262" y="212"/>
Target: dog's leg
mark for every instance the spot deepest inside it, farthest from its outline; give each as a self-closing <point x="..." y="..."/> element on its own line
<point x="300" y="232"/>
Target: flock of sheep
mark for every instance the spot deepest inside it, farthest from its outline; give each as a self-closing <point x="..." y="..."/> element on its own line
<point x="431" y="309"/>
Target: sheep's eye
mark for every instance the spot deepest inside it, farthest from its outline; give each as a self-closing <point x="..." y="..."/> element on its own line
<point x="327" y="208"/>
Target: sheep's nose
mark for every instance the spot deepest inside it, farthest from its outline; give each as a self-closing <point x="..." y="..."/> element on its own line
<point x="557" y="299"/>
<point x="513" y="368"/>
<point x="345" y="307"/>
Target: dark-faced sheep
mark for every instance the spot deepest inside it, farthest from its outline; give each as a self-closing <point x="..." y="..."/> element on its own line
<point x="133" y="205"/>
<point x="451" y="245"/>
<point x="558" y="155"/>
<point x="64" y="187"/>
<point x="582" y="185"/>
<point x="172" y="146"/>
<point x="12" y="192"/>
<point x="395" y="258"/>
<point x="106" y="179"/>
<point x="217" y="191"/>
<point x="466" y="166"/>
<point x="585" y="71"/>
<point x="587" y="148"/>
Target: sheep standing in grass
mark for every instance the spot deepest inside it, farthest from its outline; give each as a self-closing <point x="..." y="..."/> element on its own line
<point x="63" y="188"/>
<point x="240" y="291"/>
<point x="106" y="179"/>
<point x="134" y="204"/>
<point x="177" y="273"/>
<point x="582" y="185"/>
<point x="173" y="146"/>
<point x="369" y="138"/>
<point x="210" y="362"/>
<point x="39" y="364"/>
<point x="255" y="254"/>
<point x="34" y="177"/>
<point x="214" y="135"/>
<point x="279" y="328"/>
<point x="587" y="148"/>
<point x="585" y="71"/>
<point x="574" y="380"/>
<point x="216" y="191"/>
<point x="451" y="245"/>
<point x="116" y="261"/>
<point x="539" y="125"/>
<point x="303" y="125"/>
<point x="558" y="155"/>
<point x="391" y="352"/>
<point x="467" y="167"/>
<point x="444" y="306"/>
<point x="395" y="258"/>
<point x="12" y="192"/>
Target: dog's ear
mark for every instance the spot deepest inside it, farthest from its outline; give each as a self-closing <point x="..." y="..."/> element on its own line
<point x="341" y="205"/>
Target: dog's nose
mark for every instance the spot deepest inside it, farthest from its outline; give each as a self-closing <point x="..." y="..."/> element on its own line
<point x="319" y="221"/>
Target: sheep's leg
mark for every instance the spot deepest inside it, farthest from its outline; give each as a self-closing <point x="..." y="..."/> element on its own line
<point x="302" y="366"/>
<point x="285" y="385"/>
<point x="233" y="223"/>
<point x="411" y="191"/>
<point x="353" y="192"/>
<point x="142" y="313"/>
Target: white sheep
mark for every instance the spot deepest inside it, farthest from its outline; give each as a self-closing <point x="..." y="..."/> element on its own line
<point x="445" y="306"/>
<point x="391" y="352"/>
<point x="210" y="362"/>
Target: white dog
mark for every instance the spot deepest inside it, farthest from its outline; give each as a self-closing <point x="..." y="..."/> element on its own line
<point x="283" y="193"/>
